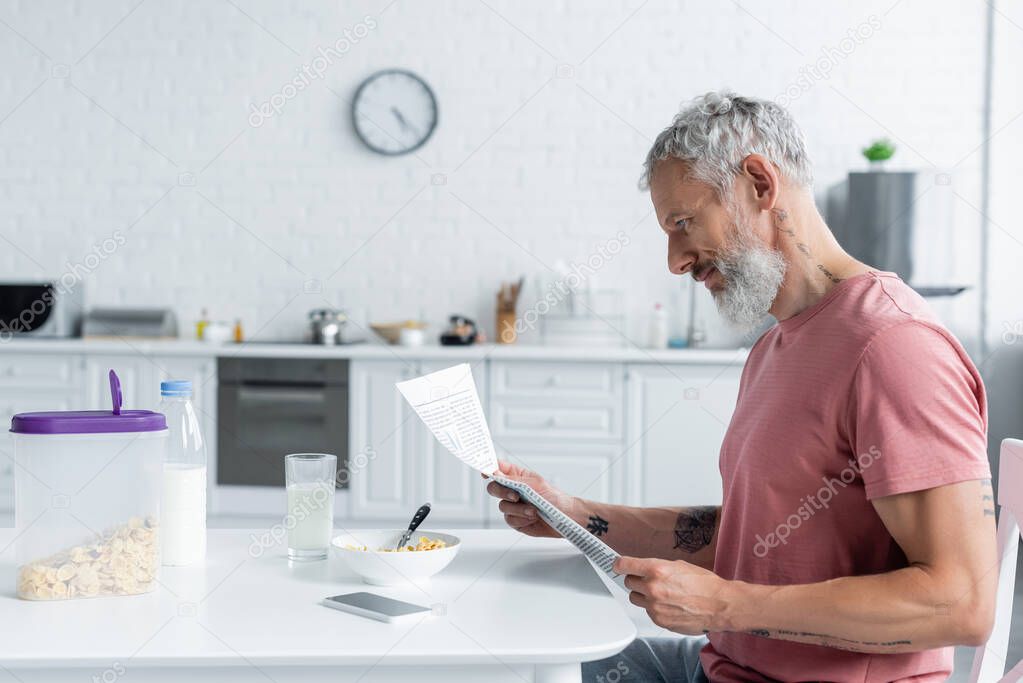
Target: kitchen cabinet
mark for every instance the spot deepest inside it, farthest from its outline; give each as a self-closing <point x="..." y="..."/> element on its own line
<point x="38" y="371"/>
<point x="395" y="463"/>
<point x="141" y="376"/>
<point x="630" y="430"/>
<point x="134" y="372"/>
<point x="678" y="415"/>
<point x="381" y="450"/>
<point x="24" y="400"/>
<point x="30" y="383"/>
<point x="564" y="421"/>
<point x="558" y="419"/>
<point x="547" y="379"/>
<point x="632" y="433"/>
<point x="591" y="472"/>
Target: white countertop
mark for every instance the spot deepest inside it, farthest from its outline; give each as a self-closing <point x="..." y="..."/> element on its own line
<point x="509" y="600"/>
<point x="373" y="350"/>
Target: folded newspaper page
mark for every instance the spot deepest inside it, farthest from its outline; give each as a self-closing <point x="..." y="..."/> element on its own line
<point x="447" y="402"/>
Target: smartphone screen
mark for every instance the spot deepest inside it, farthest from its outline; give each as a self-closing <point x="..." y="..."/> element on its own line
<point x="371" y="602"/>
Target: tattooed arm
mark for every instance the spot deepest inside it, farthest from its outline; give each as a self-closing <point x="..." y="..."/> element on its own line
<point x="688" y="534"/>
<point x="944" y="596"/>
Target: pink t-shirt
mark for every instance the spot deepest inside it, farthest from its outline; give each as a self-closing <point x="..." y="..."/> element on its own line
<point x="862" y="395"/>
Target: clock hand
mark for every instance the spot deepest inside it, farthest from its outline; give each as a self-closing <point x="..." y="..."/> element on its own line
<point x="401" y="119"/>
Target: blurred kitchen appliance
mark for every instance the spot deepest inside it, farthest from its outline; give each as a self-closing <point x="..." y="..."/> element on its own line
<point x="326" y="326"/>
<point x="268" y="407"/>
<point x="461" y="331"/>
<point x="40" y="309"/>
<point x="899" y="221"/>
<point x="591" y="317"/>
<point x="147" y="323"/>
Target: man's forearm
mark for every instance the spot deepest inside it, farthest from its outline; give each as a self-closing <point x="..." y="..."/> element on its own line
<point x="906" y="610"/>
<point x="688" y="534"/>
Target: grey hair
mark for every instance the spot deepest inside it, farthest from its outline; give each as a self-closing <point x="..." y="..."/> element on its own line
<point x="715" y="132"/>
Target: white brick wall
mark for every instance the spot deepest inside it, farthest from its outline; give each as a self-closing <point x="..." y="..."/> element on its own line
<point x="551" y="162"/>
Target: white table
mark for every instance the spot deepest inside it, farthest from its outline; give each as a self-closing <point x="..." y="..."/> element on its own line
<point x="517" y="609"/>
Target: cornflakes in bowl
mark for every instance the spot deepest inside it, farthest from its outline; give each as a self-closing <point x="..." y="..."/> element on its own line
<point x="372" y="555"/>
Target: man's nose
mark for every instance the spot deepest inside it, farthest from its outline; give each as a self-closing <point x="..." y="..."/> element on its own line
<point x="680" y="260"/>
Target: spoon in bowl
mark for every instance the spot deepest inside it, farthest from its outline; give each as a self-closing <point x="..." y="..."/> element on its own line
<point x="417" y="519"/>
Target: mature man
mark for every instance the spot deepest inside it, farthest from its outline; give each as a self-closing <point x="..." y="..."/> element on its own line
<point x="855" y="540"/>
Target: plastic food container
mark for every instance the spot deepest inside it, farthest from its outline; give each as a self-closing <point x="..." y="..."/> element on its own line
<point x="87" y="501"/>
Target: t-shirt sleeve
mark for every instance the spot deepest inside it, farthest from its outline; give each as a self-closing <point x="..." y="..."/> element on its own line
<point x="917" y="414"/>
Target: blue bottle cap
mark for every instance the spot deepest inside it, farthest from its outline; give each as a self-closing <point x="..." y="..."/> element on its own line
<point x="176" y="387"/>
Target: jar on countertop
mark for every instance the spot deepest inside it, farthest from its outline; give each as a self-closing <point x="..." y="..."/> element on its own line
<point x="87" y="500"/>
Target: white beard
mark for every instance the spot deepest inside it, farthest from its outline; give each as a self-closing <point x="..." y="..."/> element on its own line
<point x="752" y="273"/>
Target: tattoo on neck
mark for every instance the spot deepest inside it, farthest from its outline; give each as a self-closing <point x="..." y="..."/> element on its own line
<point x="827" y="274"/>
<point x="597" y="526"/>
<point x="694" y="528"/>
<point x="780" y="216"/>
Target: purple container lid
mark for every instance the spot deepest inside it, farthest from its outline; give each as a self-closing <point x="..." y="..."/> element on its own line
<point x="91" y="421"/>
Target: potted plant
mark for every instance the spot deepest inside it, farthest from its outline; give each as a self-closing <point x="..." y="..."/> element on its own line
<point x="879" y="151"/>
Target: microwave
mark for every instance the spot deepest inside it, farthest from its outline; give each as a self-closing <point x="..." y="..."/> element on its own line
<point x="45" y="308"/>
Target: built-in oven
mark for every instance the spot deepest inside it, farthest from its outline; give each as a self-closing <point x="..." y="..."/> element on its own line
<point x="269" y="407"/>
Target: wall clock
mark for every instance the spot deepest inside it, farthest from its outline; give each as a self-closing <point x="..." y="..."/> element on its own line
<point x="394" y="112"/>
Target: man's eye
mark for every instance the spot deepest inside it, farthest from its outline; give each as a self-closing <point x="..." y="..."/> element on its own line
<point x="682" y="224"/>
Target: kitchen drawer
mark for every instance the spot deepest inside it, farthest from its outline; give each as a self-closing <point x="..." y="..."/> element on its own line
<point x="592" y="473"/>
<point x="32" y="401"/>
<point x="532" y="379"/>
<point x="38" y="370"/>
<point x="557" y="420"/>
<point x="12" y="403"/>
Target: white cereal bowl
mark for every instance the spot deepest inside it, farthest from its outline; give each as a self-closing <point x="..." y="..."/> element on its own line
<point x="382" y="568"/>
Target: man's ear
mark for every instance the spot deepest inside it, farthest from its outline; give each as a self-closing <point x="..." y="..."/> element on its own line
<point x="764" y="178"/>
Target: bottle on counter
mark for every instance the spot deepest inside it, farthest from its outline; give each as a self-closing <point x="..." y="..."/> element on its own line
<point x="699" y="335"/>
<point x="239" y="333"/>
<point x="200" y="325"/>
<point x="658" y="338"/>
<point x="183" y="508"/>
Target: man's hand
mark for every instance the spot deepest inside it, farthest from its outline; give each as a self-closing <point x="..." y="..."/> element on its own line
<point x="523" y="516"/>
<point x="678" y="596"/>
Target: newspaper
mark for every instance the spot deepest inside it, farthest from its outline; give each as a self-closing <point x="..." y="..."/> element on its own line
<point x="447" y="402"/>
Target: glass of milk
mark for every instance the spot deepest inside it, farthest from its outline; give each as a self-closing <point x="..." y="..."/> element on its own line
<point x="310" y="515"/>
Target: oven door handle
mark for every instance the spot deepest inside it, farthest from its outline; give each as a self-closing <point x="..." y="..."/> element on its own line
<point x="278" y="394"/>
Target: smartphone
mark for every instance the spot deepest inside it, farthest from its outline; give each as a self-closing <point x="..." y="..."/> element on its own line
<point x="375" y="606"/>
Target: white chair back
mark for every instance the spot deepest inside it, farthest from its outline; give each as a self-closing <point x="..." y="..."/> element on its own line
<point x="989" y="662"/>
